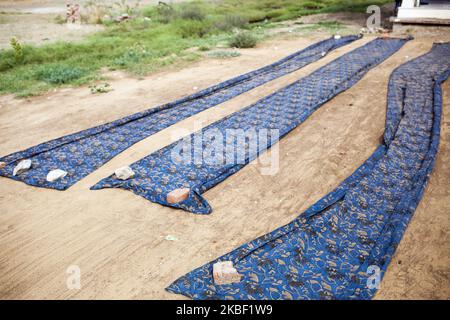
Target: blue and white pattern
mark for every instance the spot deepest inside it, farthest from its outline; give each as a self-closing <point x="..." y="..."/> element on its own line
<point x="81" y="153"/>
<point x="158" y="174"/>
<point x="326" y="252"/>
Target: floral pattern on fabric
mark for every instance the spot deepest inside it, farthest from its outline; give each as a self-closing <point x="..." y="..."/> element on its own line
<point x="326" y="252"/>
<point x="158" y="174"/>
<point x="81" y="153"/>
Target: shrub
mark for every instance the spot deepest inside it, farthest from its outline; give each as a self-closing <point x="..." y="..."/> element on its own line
<point x="59" y="74"/>
<point x="192" y="12"/>
<point x="193" y="29"/>
<point x="204" y="48"/>
<point x="243" y="40"/>
<point x="231" y="21"/>
<point x="165" y="13"/>
<point x="18" y="50"/>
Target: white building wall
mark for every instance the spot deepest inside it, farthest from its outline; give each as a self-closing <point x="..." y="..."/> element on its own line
<point x="437" y="9"/>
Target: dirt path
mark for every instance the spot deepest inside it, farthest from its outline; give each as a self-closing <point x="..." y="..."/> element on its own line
<point x="117" y="238"/>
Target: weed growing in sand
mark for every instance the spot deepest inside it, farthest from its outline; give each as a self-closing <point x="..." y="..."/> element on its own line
<point x="243" y="40"/>
<point x="100" y="88"/>
<point x="204" y="48"/>
<point x="18" y="50"/>
<point x="224" y="54"/>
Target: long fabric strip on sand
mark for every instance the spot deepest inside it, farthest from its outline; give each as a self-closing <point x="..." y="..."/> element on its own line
<point x="81" y="153"/>
<point x="160" y="173"/>
<point x="334" y="249"/>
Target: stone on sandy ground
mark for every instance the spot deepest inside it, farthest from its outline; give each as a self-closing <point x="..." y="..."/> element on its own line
<point x="178" y="195"/>
<point x="225" y="273"/>
<point x="2" y="164"/>
<point x="23" y="165"/>
<point x="55" y="175"/>
<point x="124" y="173"/>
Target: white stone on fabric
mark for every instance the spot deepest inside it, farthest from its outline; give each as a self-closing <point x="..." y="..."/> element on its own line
<point x="225" y="273"/>
<point x="55" y="175"/>
<point x="23" y="165"/>
<point x="124" y="173"/>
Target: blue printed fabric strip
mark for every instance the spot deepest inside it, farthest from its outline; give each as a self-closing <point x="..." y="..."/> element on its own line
<point x="178" y="166"/>
<point x="81" y="153"/>
<point x="341" y="246"/>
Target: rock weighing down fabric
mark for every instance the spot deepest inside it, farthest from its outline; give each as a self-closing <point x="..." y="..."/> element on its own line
<point x="81" y="153"/>
<point x="335" y="248"/>
<point x="160" y="173"/>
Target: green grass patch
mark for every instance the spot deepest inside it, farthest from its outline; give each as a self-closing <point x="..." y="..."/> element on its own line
<point x="193" y="28"/>
<point x="58" y="74"/>
<point x="156" y="37"/>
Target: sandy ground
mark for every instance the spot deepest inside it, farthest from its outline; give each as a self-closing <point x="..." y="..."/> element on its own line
<point x="33" y="22"/>
<point x="39" y="29"/>
<point x="118" y="239"/>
